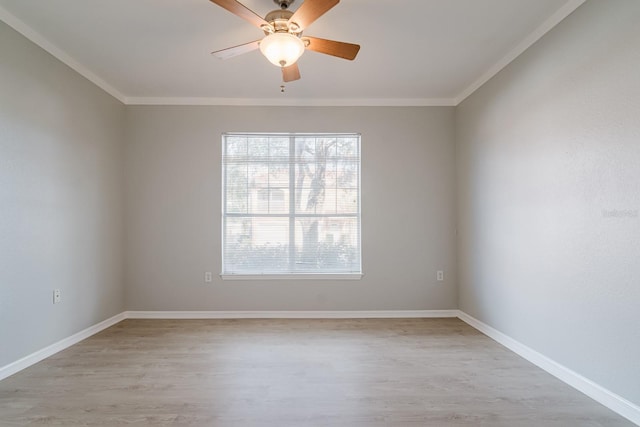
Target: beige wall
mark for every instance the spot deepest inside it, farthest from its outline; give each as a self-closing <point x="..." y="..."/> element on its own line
<point x="60" y="200"/>
<point x="548" y="159"/>
<point x="173" y="209"/>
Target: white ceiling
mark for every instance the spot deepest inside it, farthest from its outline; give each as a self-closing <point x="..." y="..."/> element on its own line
<point x="414" y="52"/>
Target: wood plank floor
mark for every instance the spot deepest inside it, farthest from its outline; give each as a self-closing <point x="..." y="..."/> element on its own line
<point x="365" y="372"/>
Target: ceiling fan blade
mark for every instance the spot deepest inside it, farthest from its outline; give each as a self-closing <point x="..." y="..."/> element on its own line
<point x="242" y="11"/>
<point x="291" y="73"/>
<point x="230" y="52"/>
<point x="311" y="10"/>
<point x="333" y="48"/>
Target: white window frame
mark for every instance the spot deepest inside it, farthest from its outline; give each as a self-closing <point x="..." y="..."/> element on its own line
<point x="291" y="215"/>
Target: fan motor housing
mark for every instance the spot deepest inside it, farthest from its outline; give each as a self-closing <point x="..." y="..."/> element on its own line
<point x="279" y="19"/>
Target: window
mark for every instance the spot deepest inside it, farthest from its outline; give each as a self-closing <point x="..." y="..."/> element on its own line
<point x="291" y="205"/>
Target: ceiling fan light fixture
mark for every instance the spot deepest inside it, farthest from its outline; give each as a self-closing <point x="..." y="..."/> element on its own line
<point x="282" y="49"/>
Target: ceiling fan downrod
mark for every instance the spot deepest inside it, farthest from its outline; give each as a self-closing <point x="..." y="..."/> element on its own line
<point x="284" y="4"/>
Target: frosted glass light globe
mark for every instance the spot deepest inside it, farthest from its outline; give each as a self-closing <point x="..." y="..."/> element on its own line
<point x="282" y="49"/>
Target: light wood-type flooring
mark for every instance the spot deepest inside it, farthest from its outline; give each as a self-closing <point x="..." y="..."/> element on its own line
<point x="277" y="373"/>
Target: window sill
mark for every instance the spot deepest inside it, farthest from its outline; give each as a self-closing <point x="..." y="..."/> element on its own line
<point x="311" y="276"/>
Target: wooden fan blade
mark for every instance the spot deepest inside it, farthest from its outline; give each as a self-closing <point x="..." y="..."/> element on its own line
<point x="311" y="10"/>
<point x="242" y="11"/>
<point x="291" y="73"/>
<point x="333" y="48"/>
<point x="230" y="52"/>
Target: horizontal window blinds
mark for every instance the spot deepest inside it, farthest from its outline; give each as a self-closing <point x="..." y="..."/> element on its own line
<point x="291" y="204"/>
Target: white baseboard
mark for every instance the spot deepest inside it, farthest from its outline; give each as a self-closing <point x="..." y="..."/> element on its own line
<point x="376" y="314"/>
<point x="33" y="358"/>
<point x="598" y="393"/>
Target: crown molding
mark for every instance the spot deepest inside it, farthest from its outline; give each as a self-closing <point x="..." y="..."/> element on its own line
<point x="295" y="102"/>
<point x="536" y="35"/>
<point x="35" y="37"/>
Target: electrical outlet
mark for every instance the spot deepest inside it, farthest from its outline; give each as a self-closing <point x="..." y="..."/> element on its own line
<point x="440" y="276"/>
<point x="208" y="277"/>
<point x="57" y="296"/>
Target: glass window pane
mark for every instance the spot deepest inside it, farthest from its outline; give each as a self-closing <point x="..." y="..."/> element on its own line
<point x="256" y="245"/>
<point x="347" y="147"/>
<point x="258" y="147"/>
<point x="330" y="174"/>
<point x="236" y="146"/>
<point x="347" y="200"/>
<point x="279" y="201"/>
<point x="310" y="200"/>
<point x="332" y="151"/>
<point x="278" y="174"/>
<point x="279" y="149"/>
<point x="327" y="244"/>
<point x="236" y="191"/>
<point x="237" y="240"/>
<point x="347" y="174"/>
<point x="258" y="188"/>
<point x="329" y="203"/>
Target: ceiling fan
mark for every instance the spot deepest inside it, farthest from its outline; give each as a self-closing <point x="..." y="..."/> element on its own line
<point x="283" y="43"/>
